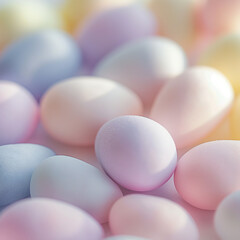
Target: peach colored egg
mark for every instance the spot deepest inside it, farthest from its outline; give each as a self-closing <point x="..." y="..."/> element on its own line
<point x="221" y="16"/>
<point x="110" y="29"/>
<point x="18" y="113"/>
<point x="72" y="111"/>
<point x="144" y="65"/>
<point x="138" y="153"/>
<point x="75" y="12"/>
<point x="76" y="182"/>
<point x="38" y="219"/>
<point x="18" y="19"/>
<point x="208" y="173"/>
<point x="124" y="237"/>
<point x="178" y="20"/>
<point x="152" y="218"/>
<point x="224" y="55"/>
<point x="227" y="217"/>
<point x="191" y="105"/>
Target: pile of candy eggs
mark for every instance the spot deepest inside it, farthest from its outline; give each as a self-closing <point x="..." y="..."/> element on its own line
<point x="119" y="120"/>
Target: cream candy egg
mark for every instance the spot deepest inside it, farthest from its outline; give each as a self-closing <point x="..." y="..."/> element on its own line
<point x="110" y="29"/>
<point x="138" y="153"/>
<point x="224" y="55"/>
<point x="124" y="237"/>
<point x="19" y="113"/>
<point x="19" y="19"/>
<point x="75" y="12"/>
<point x="144" y="65"/>
<point x="76" y="182"/>
<point x="152" y="218"/>
<point x="208" y="173"/>
<point x="73" y="111"/>
<point x="193" y="104"/>
<point x="38" y="219"/>
<point x="178" y="20"/>
<point x="227" y="217"/>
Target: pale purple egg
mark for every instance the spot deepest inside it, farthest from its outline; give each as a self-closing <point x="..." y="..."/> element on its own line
<point x="18" y="113"/>
<point x="137" y="152"/>
<point x="38" y="219"/>
<point x="110" y="29"/>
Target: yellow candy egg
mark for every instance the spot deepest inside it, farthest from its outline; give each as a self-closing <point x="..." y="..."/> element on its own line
<point x="178" y="19"/>
<point x="235" y="119"/>
<point x="18" y="19"/>
<point x="75" y="11"/>
<point x="224" y="55"/>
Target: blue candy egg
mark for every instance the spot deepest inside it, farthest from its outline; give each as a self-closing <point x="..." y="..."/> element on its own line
<point x="17" y="162"/>
<point x="41" y="59"/>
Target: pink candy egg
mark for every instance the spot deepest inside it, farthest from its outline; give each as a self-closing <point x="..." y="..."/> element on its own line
<point x="124" y="237"/>
<point x="110" y="29"/>
<point x="76" y="182"/>
<point x="138" y="153"/>
<point x="152" y="218"/>
<point x="18" y="113"/>
<point x="73" y="110"/>
<point x="38" y="219"/>
<point x="227" y="217"/>
<point x="193" y="104"/>
<point x="208" y="173"/>
<point x="144" y="65"/>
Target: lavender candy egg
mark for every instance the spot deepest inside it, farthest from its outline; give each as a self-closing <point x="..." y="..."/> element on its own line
<point x="110" y="29"/>
<point x="38" y="219"/>
<point x="137" y="152"/>
<point x="144" y="65"/>
<point x="41" y="59"/>
<point x="18" y="113"/>
<point x="76" y="182"/>
<point x="17" y="162"/>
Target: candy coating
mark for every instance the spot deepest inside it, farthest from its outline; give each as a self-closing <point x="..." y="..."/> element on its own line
<point x="138" y="153"/>
<point x="97" y="100"/>
<point x="76" y="182"/>
<point x="124" y="237"/>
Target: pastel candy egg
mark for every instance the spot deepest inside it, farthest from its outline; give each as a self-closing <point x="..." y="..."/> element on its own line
<point x="224" y="55"/>
<point x="138" y="153"/>
<point x="75" y="12"/>
<point x="235" y="119"/>
<point x="193" y="104"/>
<point x="17" y="162"/>
<point x="76" y="182"/>
<point x="152" y="218"/>
<point x="18" y="111"/>
<point x="96" y="100"/>
<point x="110" y="29"/>
<point x="144" y="65"/>
<point x="39" y="60"/>
<point x="18" y="19"/>
<point x="221" y="16"/>
<point x="178" y="20"/>
<point x="125" y="238"/>
<point x="227" y="217"/>
<point x="37" y="219"/>
<point x="208" y="173"/>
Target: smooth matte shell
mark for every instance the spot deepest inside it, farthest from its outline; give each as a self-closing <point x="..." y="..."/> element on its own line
<point x="208" y="173"/>
<point x="17" y="163"/>
<point x="110" y="29"/>
<point x="227" y="217"/>
<point x="124" y="237"/>
<point x="19" y="19"/>
<point x="224" y="55"/>
<point x="73" y="110"/>
<point x="152" y="218"/>
<point x="38" y="219"/>
<point x="144" y="65"/>
<point x="193" y="104"/>
<point x="19" y="113"/>
<point x="39" y="60"/>
<point x="138" y="153"/>
<point x="76" y="182"/>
